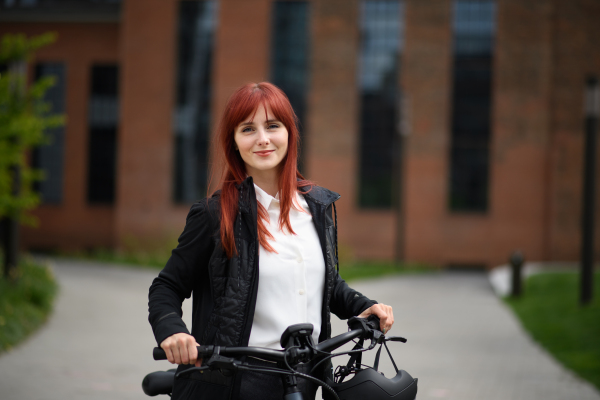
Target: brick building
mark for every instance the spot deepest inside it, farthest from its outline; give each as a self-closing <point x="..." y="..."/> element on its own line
<point x="453" y="129"/>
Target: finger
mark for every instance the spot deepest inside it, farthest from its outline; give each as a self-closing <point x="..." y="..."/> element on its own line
<point x="383" y="317"/>
<point x="182" y="344"/>
<point x="390" y="319"/>
<point x="176" y="354"/>
<point x="194" y="359"/>
<point x="169" y="354"/>
<point x="192" y="351"/>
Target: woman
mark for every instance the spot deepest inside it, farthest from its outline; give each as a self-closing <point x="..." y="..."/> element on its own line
<point x="259" y="255"/>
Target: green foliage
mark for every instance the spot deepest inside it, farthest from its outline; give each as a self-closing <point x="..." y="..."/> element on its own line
<point x="25" y="303"/>
<point x="550" y="311"/>
<point x="20" y="48"/>
<point x="24" y="117"/>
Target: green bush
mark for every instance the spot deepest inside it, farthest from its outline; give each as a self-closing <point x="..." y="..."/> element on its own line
<point x="25" y="302"/>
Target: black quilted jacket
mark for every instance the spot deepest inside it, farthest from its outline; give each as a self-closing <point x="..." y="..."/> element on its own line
<point x="225" y="289"/>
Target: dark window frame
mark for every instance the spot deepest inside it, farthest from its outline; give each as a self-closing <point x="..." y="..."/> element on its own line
<point x="381" y="46"/>
<point x="103" y="126"/>
<point x="471" y="115"/>
<point x="192" y="110"/>
<point x="290" y="57"/>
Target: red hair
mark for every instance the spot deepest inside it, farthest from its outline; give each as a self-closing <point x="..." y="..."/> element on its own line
<point x="243" y="103"/>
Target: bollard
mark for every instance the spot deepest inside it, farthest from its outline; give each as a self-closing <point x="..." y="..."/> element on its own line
<point x="516" y="264"/>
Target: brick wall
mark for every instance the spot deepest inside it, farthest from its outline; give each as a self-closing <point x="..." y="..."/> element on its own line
<point x="544" y="51"/>
<point x="148" y="51"/>
<point x="73" y="224"/>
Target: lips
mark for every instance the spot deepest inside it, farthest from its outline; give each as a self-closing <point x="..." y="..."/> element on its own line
<point x="263" y="153"/>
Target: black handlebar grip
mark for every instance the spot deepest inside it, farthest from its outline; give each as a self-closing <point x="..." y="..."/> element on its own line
<point x="159" y="354"/>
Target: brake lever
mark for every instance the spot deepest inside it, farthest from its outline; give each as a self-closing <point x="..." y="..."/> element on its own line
<point x="395" y="339"/>
<point x="379" y="338"/>
<point x="219" y="362"/>
<point x="190" y="370"/>
<point x="215" y="362"/>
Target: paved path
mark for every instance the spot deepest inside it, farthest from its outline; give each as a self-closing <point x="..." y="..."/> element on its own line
<point x="463" y="343"/>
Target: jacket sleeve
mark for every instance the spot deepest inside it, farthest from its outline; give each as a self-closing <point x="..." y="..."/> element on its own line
<point x="178" y="278"/>
<point x="347" y="302"/>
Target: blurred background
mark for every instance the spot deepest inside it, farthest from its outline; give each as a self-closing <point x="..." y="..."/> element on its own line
<point x="453" y="129"/>
<point x="459" y="133"/>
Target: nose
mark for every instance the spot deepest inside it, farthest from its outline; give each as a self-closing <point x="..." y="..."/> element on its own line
<point x="263" y="138"/>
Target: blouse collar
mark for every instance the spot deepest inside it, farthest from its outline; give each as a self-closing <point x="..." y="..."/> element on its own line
<point x="264" y="198"/>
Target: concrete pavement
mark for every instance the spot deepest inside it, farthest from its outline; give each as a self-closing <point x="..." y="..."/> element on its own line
<point x="463" y="343"/>
<point x="97" y="345"/>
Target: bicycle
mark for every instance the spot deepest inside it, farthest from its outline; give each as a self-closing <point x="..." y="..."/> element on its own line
<point x="299" y="347"/>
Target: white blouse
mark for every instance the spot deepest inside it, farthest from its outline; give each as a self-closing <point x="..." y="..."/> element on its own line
<point x="291" y="281"/>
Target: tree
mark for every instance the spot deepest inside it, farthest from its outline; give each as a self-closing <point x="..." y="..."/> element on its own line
<point x="24" y="116"/>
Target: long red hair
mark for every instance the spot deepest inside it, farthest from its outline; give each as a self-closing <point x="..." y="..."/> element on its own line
<point x="243" y="103"/>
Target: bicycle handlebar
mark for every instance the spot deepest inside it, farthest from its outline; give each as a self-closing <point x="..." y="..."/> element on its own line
<point x="206" y="351"/>
<point x="299" y="348"/>
<point x="263" y="352"/>
<point x="366" y="327"/>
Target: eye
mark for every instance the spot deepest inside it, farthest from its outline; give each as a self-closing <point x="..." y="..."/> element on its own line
<point x="247" y="129"/>
<point x="273" y="126"/>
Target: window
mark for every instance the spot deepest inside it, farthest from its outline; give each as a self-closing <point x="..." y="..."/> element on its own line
<point x="50" y="157"/>
<point x="471" y="104"/>
<point x="290" y="53"/>
<point x="380" y="48"/>
<point x="51" y="3"/>
<point x="60" y="10"/>
<point x="103" y="117"/>
<point x="197" y="23"/>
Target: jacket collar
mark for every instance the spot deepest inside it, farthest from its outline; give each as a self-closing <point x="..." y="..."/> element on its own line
<point x="315" y="193"/>
<point x="320" y="195"/>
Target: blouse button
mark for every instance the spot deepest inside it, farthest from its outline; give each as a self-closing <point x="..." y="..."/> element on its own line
<point x="301" y="291"/>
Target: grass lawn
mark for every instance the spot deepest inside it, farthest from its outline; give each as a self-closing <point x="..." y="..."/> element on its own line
<point x="549" y="309"/>
<point x="375" y="269"/>
<point x="25" y="304"/>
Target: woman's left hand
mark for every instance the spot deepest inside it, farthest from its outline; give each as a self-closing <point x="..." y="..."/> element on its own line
<point x="384" y="313"/>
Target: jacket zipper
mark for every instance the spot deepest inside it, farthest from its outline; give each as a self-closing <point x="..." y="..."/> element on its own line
<point x="252" y="303"/>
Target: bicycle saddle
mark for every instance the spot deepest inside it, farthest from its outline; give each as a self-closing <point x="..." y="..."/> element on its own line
<point x="159" y="382"/>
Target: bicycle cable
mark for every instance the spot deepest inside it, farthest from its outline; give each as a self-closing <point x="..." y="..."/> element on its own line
<point x="330" y="356"/>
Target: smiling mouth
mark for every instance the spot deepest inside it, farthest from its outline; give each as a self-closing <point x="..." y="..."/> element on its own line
<point x="263" y="153"/>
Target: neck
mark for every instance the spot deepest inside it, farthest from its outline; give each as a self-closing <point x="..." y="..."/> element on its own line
<point x="266" y="180"/>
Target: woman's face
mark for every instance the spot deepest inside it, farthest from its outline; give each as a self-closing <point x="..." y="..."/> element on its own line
<point x="262" y="141"/>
